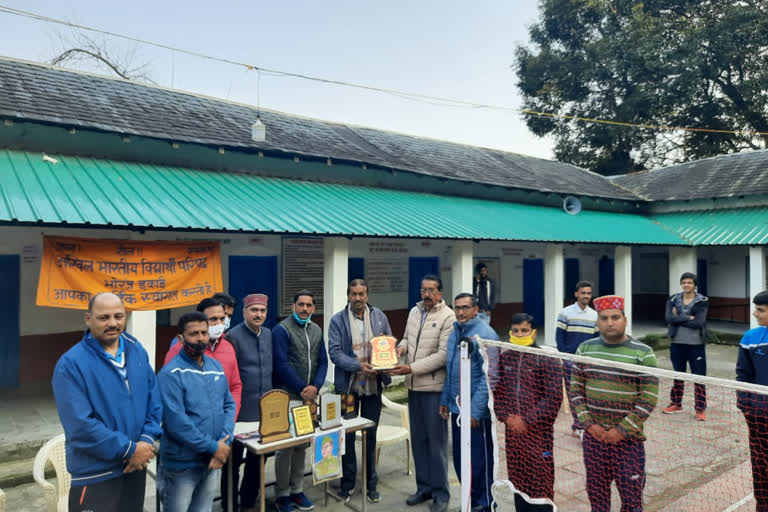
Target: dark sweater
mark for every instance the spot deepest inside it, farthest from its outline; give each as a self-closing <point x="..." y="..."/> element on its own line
<point x="254" y="359"/>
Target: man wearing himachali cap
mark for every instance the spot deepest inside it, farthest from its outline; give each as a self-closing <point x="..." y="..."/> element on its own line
<point x="252" y="342"/>
<point x="613" y="404"/>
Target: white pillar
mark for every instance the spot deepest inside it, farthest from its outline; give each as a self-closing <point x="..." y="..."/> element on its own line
<point x="142" y="325"/>
<point x="681" y="259"/>
<point x="554" y="284"/>
<point x="461" y="268"/>
<point x="622" y="279"/>
<point x="757" y="275"/>
<point x="335" y="279"/>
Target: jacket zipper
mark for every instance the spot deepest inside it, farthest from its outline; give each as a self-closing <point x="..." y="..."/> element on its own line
<point x="309" y="359"/>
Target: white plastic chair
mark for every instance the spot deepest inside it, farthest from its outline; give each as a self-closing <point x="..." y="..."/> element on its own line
<point x="393" y="434"/>
<point x="2" y="501"/>
<point x="53" y="450"/>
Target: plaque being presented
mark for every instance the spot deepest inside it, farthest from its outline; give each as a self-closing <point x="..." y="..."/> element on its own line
<point x="330" y="411"/>
<point x="302" y="420"/>
<point x="383" y="352"/>
<point x="275" y="424"/>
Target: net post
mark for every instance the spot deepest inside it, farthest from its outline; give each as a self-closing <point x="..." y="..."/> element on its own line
<point x="465" y="417"/>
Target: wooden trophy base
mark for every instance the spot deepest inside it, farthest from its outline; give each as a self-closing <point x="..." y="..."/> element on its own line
<point x="275" y="437"/>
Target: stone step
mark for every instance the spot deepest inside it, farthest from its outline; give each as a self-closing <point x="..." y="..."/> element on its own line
<point x="20" y="450"/>
<point x="19" y="472"/>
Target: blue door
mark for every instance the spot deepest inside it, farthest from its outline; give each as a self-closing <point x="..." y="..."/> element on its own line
<point x="533" y="288"/>
<point x="701" y="276"/>
<point x="606" y="276"/>
<point x="418" y="268"/>
<point x="254" y="274"/>
<point x="571" y="277"/>
<point x="356" y="268"/>
<point x="9" y="329"/>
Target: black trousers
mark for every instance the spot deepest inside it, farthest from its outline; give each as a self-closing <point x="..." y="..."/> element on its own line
<point x="122" y="494"/>
<point x="369" y="407"/>
<point x="249" y="486"/>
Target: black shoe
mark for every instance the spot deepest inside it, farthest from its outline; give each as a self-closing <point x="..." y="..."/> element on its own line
<point x="374" y="496"/>
<point x="416" y="498"/>
<point x="438" y="506"/>
<point x="344" y="494"/>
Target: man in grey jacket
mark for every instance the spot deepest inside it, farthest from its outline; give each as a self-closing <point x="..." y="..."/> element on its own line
<point x="424" y="347"/>
<point x="349" y="335"/>
<point x="253" y="346"/>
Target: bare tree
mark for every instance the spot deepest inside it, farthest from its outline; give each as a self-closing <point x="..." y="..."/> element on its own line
<point x="79" y="50"/>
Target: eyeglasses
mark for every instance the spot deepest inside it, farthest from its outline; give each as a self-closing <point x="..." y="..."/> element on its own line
<point x="462" y="308"/>
<point x="428" y="291"/>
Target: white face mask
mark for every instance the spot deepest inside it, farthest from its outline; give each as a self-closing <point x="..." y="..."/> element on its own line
<point x="227" y="320"/>
<point x="215" y="331"/>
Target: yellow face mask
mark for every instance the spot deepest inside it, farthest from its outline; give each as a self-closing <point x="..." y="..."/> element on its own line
<point x="524" y="341"/>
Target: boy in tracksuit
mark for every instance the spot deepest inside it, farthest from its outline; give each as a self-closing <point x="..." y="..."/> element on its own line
<point x="752" y="367"/>
<point x="110" y="408"/>
<point x="527" y="400"/>
<point x="198" y="421"/>
<point x="613" y="406"/>
<point x="469" y="325"/>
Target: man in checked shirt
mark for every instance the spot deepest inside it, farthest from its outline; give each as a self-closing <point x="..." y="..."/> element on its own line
<point x="613" y="404"/>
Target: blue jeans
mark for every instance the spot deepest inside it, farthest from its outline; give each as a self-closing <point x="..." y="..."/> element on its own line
<point x="683" y="355"/>
<point x="190" y="490"/>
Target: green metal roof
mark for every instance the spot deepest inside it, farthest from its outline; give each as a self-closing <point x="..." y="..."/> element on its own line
<point x="83" y="191"/>
<point x="741" y="226"/>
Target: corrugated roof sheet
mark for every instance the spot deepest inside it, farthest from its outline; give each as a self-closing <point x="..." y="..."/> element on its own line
<point x="36" y="92"/>
<point x="743" y="226"/>
<point x="78" y="190"/>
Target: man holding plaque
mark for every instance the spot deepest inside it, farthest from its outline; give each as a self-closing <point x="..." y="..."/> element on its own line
<point x="424" y="346"/>
<point x="300" y="365"/>
<point x="349" y="337"/>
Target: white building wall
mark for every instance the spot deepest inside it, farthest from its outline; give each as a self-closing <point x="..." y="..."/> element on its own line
<point x="727" y="271"/>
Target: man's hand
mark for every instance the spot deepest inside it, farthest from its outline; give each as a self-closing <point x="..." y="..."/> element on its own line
<point x="140" y="458"/>
<point x="474" y="423"/>
<point x="613" y="436"/>
<point x="597" y="432"/>
<point x="367" y="369"/>
<point x="222" y="452"/>
<point x="516" y="425"/>
<point x="401" y="350"/>
<point x="674" y="311"/>
<point x="400" y="369"/>
<point x="444" y="412"/>
<point x="309" y="393"/>
<point x="692" y="317"/>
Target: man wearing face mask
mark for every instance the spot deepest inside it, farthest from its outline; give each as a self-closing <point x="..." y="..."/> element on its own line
<point x="198" y="421"/>
<point x="300" y="365"/>
<point x="218" y="347"/>
<point x="229" y="303"/>
<point x="470" y="325"/>
<point x="527" y="400"/>
<point x="252" y="342"/>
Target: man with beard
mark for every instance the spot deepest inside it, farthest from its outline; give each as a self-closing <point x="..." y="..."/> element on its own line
<point x="110" y="408"/>
<point x="424" y="347"/>
<point x="198" y="421"/>
<point x="349" y="346"/>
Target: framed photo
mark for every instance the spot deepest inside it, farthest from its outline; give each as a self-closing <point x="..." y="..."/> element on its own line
<point x="326" y="456"/>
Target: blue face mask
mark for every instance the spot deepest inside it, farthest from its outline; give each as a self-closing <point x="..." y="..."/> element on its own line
<point x="300" y="321"/>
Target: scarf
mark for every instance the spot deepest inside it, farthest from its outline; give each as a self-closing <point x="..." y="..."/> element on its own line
<point x="362" y="384"/>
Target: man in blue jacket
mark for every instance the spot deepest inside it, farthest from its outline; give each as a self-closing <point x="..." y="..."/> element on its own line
<point x="349" y="335"/>
<point x="470" y="325"/>
<point x="300" y="363"/>
<point x="110" y="408"/>
<point x="752" y="367"/>
<point x="198" y="421"/>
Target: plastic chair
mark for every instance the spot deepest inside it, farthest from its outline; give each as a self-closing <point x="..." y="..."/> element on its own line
<point x="392" y="434"/>
<point x="53" y="451"/>
<point x="2" y="501"/>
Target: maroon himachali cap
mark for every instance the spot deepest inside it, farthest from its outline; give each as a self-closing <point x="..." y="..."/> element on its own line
<point x="255" y="298"/>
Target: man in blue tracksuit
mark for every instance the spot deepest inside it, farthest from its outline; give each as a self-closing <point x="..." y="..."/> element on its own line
<point x="752" y="367"/>
<point x="198" y="421"/>
<point x="110" y="408"/>
<point x="349" y="337"/>
<point x="469" y="325"/>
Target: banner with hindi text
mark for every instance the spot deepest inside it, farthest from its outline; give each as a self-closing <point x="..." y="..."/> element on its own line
<point x="146" y="275"/>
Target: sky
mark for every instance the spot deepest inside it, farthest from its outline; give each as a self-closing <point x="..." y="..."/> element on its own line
<point x="445" y="48"/>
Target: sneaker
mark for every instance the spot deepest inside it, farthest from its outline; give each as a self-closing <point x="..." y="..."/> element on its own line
<point x="344" y="494"/>
<point x="301" y="501"/>
<point x="701" y="415"/>
<point x="284" y="504"/>
<point x="374" y="496"/>
<point x="672" y="409"/>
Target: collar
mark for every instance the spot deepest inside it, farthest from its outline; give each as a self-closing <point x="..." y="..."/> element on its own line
<point x="470" y="323"/>
<point x="90" y="340"/>
<point x="257" y="334"/>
